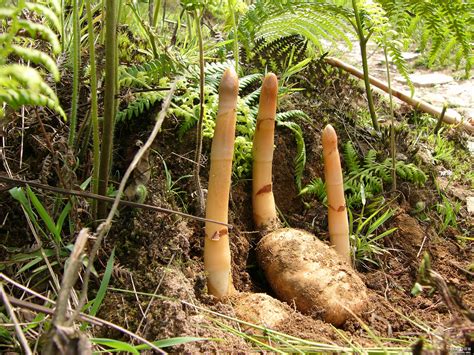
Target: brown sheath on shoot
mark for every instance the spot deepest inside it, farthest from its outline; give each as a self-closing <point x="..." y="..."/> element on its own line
<point x="217" y="261"/>
<point x="264" y="212"/>
<point x="337" y="213"/>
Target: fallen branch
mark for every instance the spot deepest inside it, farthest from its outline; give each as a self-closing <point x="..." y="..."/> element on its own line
<point x="450" y="116"/>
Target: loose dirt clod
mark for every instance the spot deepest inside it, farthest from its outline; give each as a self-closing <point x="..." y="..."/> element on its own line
<point x="303" y="270"/>
<point x="260" y="309"/>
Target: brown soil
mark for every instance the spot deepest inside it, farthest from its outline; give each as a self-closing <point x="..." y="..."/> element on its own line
<point x="162" y="255"/>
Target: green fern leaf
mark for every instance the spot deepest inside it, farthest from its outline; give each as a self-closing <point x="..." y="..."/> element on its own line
<point x="19" y="97"/>
<point x="300" y="159"/>
<point x="37" y="30"/>
<point x="292" y="115"/>
<point x="370" y="159"/>
<point x="252" y="98"/>
<point x="37" y="57"/>
<point x="316" y="187"/>
<point x="249" y="80"/>
<point x="313" y="26"/>
<point x="351" y="158"/>
<point x="46" y="12"/>
<point x="142" y="102"/>
<point x="188" y="123"/>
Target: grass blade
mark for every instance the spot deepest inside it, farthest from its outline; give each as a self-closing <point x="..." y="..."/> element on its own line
<point x="103" y="285"/>
<point x="115" y="345"/>
<point x="48" y="221"/>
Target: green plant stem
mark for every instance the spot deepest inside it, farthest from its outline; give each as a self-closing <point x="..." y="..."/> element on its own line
<point x="61" y="19"/>
<point x="109" y="101"/>
<point x="363" y="52"/>
<point x="393" y="148"/>
<point x="146" y="30"/>
<point x="76" y="65"/>
<point x="156" y="12"/>
<point x="93" y="112"/>
<point x="231" y="4"/>
<point x="151" y="12"/>
<point x="197" y="156"/>
<point x="163" y="18"/>
<point x="440" y="119"/>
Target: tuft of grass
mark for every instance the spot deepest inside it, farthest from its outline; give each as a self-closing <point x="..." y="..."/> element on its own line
<point x="366" y="237"/>
<point x="447" y="211"/>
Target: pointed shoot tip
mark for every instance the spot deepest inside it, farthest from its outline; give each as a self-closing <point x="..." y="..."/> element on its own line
<point x="329" y="136"/>
<point x="229" y="82"/>
<point x="270" y="83"/>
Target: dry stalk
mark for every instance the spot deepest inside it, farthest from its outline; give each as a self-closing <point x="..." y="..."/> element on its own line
<point x="11" y="313"/>
<point x="61" y="334"/>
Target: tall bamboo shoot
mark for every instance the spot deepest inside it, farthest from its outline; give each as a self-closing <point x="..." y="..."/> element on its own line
<point x="262" y="195"/>
<point x="338" y="224"/>
<point x="217" y="260"/>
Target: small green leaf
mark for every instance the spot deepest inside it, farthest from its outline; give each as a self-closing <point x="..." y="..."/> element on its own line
<point x="416" y="289"/>
<point x="115" y="345"/>
<point x="170" y="342"/>
<point x="103" y="285"/>
<point x="48" y="221"/>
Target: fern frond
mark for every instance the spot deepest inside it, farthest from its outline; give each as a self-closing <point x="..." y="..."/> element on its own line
<point x="146" y="74"/>
<point x="49" y="14"/>
<point x="20" y="84"/>
<point x="439" y="22"/>
<point x="370" y="158"/>
<point x="37" y="30"/>
<point x="252" y="98"/>
<point x="373" y="183"/>
<point x="249" y="80"/>
<point x="19" y="97"/>
<point x="37" y="57"/>
<point x="217" y="68"/>
<point x="315" y="26"/>
<point x="351" y="158"/>
<point x="458" y="14"/>
<point x="300" y="158"/>
<point x="394" y="49"/>
<point x="188" y="123"/>
<point x="316" y="187"/>
<point x="142" y="103"/>
<point x="368" y="177"/>
<point x="213" y="72"/>
<point x="276" y="54"/>
<point x="292" y="115"/>
<point x="411" y="172"/>
<point x="447" y="51"/>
